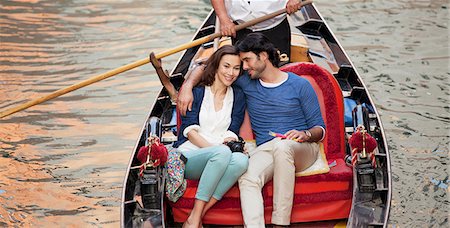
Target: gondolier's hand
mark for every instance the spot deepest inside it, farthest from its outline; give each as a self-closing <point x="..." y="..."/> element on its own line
<point x="292" y="6"/>
<point x="227" y="28"/>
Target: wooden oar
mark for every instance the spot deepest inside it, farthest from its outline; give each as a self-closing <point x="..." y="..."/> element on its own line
<point x="138" y="63"/>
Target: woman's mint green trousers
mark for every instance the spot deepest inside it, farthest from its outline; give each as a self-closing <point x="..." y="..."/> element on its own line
<point x="216" y="167"/>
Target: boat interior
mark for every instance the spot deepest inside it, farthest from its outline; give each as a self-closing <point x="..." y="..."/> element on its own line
<point x="327" y="191"/>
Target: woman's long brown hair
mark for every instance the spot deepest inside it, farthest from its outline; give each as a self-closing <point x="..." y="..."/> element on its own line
<point x="212" y="64"/>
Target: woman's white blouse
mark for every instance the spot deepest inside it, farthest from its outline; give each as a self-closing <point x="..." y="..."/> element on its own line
<point x="213" y="125"/>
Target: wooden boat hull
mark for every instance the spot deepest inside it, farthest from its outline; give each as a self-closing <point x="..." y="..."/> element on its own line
<point x="368" y="209"/>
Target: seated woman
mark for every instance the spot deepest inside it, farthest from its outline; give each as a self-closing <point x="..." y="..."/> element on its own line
<point x="215" y="118"/>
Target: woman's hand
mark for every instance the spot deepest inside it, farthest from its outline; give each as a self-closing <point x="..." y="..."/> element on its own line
<point x="246" y="150"/>
<point x="229" y="139"/>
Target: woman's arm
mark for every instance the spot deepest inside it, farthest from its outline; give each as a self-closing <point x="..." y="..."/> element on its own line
<point x="196" y="139"/>
<point x="237" y="114"/>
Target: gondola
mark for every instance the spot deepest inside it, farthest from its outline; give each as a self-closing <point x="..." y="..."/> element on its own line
<point x="352" y="195"/>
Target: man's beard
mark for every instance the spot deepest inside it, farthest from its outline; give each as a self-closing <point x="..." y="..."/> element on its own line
<point x="256" y="74"/>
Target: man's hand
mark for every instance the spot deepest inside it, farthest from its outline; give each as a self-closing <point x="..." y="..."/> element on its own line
<point x="201" y="61"/>
<point x="185" y="97"/>
<point x="292" y="6"/>
<point x="184" y="101"/>
<point x="299" y="136"/>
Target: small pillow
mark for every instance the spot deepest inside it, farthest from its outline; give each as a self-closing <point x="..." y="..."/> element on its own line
<point x="319" y="167"/>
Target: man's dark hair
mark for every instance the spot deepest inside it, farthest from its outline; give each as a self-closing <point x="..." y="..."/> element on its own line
<point x="257" y="43"/>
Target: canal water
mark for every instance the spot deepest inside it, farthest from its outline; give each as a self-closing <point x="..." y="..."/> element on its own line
<point x="62" y="163"/>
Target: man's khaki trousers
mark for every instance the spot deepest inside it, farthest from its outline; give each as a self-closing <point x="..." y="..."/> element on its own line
<point x="278" y="159"/>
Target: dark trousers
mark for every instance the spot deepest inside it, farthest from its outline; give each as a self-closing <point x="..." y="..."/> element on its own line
<point x="279" y="35"/>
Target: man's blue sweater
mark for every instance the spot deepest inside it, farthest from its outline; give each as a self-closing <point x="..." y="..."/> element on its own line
<point x="291" y="105"/>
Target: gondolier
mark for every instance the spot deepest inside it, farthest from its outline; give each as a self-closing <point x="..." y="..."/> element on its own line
<point x="232" y="12"/>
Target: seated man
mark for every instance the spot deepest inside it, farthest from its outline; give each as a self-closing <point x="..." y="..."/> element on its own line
<point x="280" y="102"/>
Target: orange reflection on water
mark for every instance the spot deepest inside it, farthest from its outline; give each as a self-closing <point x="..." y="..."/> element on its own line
<point x="64" y="161"/>
<point x="32" y="190"/>
<point x="27" y="185"/>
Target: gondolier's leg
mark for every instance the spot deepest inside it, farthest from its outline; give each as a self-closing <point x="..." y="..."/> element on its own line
<point x="279" y="35"/>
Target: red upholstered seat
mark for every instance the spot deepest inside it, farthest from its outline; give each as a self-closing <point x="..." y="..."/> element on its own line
<point x="317" y="197"/>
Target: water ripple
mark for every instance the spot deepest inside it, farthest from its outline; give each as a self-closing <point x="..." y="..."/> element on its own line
<point x="56" y="151"/>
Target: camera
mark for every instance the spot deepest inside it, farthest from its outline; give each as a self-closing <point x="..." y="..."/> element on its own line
<point x="236" y="146"/>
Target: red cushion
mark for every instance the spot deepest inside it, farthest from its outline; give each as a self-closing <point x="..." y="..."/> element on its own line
<point x="317" y="197"/>
<point x="335" y="185"/>
<point x="303" y="212"/>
